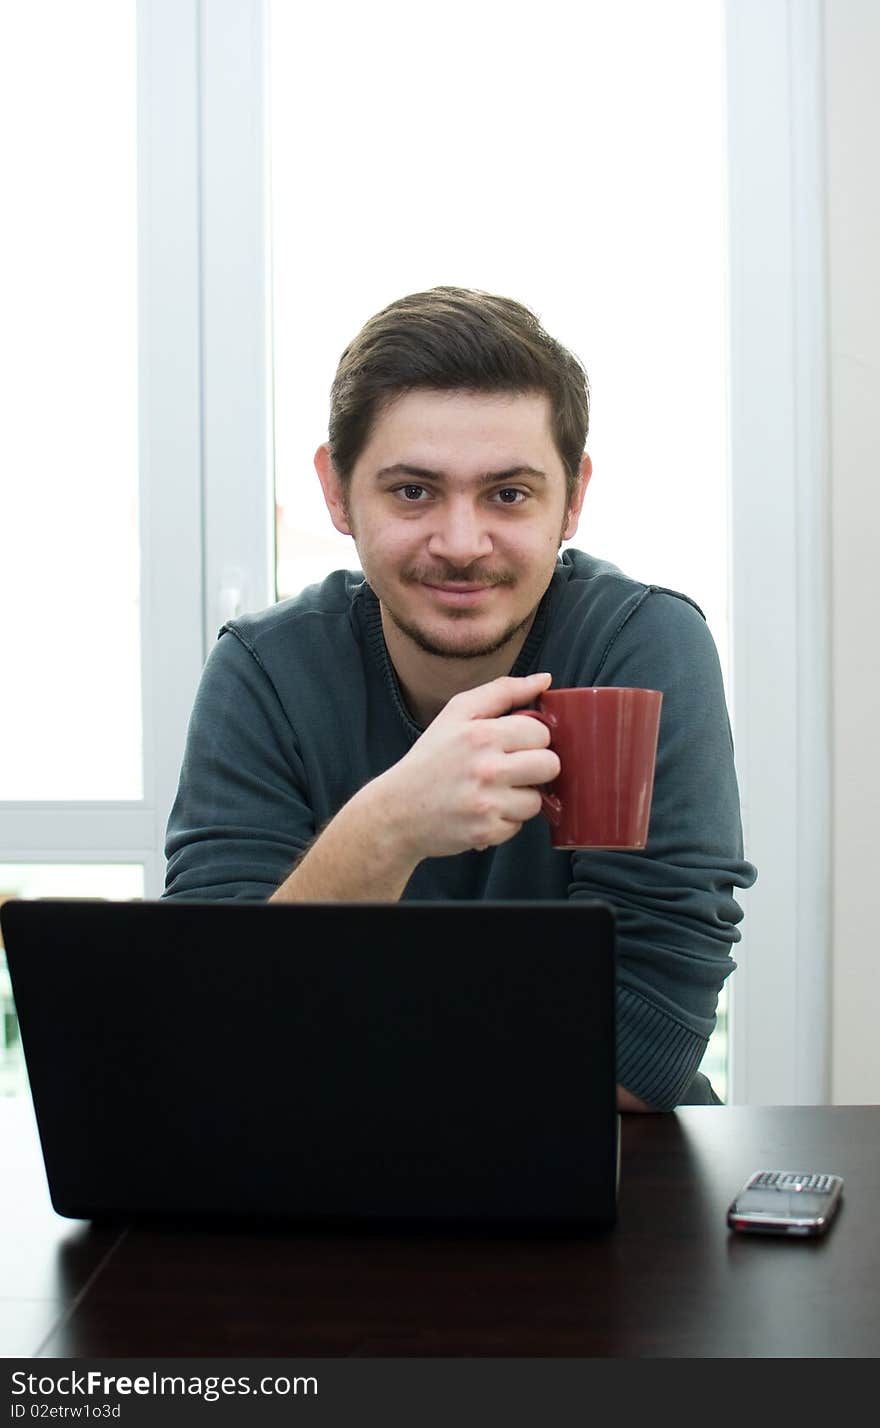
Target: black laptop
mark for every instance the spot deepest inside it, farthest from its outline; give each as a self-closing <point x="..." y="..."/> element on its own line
<point x="409" y="1062"/>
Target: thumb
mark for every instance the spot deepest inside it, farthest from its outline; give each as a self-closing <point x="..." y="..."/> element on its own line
<point x="501" y="695"/>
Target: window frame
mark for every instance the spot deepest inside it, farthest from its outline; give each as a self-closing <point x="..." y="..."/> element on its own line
<point x="780" y="582"/>
<point x="170" y="467"/>
<point x="778" y="424"/>
<point x="207" y="483"/>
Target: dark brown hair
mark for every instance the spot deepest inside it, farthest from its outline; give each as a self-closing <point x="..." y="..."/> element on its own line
<point x="451" y="339"/>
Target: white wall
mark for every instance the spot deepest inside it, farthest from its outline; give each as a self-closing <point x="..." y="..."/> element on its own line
<point x="852" y="117"/>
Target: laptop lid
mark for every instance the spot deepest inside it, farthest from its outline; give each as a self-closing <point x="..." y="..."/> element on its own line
<point x="408" y="1061"/>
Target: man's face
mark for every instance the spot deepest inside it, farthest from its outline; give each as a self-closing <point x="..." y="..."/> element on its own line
<point x="457" y="507"/>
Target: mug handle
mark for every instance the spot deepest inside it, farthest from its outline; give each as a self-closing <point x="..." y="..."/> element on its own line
<point x="551" y="807"/>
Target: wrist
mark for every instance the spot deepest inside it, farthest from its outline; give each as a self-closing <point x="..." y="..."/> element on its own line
<point x="393" y="832"/>
<point x="361" y="856"/>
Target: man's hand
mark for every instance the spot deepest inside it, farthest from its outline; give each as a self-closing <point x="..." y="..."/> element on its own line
<point x="466" y="783"/>
<point x="470" y="780"/>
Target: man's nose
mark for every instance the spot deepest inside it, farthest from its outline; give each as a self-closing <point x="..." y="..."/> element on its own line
<point x="461" y="534"/>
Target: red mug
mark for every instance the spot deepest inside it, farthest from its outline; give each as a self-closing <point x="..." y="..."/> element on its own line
<point x="606" y="740"/>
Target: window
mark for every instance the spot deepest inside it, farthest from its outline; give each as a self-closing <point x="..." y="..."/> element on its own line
<point x="204" y="526"/>
<point x="69" y="551"/>
<point x="586" y="179"/>
<point x="99" y="501"/>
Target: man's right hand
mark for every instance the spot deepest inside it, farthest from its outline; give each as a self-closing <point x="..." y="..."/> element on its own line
<point x="471" y="780"/>
<point x="468" y="782"/>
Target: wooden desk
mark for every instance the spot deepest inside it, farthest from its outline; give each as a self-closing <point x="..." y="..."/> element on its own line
<point x="669" y="1280"/>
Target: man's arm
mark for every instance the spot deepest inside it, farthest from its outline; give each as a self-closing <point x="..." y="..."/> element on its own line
<point x="452" y="792"/>
<point x="674" y="908"/>
<point x="468" y="782"/>
<point x="242" y="813"/>
<point x="359" y="856"/>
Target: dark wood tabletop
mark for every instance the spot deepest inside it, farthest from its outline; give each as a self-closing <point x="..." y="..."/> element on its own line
<point x="668" y="1280"/>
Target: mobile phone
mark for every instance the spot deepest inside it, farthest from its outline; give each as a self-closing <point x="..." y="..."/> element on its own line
<point x="786" y="1202"/>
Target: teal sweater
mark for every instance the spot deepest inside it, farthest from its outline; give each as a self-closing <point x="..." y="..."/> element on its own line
<point x="299" y="707"/>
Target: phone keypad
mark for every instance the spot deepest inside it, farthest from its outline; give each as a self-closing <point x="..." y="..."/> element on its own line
<point x="790" y="1180"/>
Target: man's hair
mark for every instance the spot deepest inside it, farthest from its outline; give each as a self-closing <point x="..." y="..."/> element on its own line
<point x="450" y="339"/>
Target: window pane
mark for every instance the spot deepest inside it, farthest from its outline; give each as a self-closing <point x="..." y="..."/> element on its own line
<point x="597" y="198"/>
<point x="571" y="157"/>
<point x="70" y="720"/>
<point x="31" y="880"/>
<point x="715" y="1063"/>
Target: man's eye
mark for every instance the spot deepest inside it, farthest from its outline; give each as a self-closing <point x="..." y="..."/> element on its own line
<point x="509" y="496"/>
<point x="412" y="494"/>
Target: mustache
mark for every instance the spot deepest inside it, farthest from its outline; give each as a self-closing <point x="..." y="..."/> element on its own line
<point x="456" y="575"/>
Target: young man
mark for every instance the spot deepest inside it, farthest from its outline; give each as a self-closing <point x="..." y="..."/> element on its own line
<point x="361" y="741"/>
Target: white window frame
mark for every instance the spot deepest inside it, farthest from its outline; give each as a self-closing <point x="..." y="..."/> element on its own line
<point x="170" y="461"/>
<point x="780" y="586"/>
<point x="778" y="422"/>
<point x="207" y="489"/>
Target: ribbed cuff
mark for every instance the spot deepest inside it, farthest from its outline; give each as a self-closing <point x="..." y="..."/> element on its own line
<point x="657" y="1057"/>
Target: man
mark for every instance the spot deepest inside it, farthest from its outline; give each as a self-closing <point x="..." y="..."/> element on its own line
<point x="361" y="741"/>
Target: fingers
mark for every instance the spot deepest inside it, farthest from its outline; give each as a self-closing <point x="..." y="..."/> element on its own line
<point x="519" y="805"/>
<point x="499" y="696"/>
<point x="517" y="731"/>
<point x="529" y="768"/>
<point x="523" y="804"/>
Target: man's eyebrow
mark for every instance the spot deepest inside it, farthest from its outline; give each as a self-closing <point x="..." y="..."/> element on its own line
<point x="422" y="473"/>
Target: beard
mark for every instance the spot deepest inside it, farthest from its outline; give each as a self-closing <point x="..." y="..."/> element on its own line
<point x="457" y="645"/>
<point x="451" y="647"/>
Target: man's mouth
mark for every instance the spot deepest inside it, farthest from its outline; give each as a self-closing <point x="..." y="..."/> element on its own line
<point x="464" y="587"/>
<point x="458" y="592"/>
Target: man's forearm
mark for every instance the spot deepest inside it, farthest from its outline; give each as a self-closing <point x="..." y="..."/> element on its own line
<point x="361" y="856"/>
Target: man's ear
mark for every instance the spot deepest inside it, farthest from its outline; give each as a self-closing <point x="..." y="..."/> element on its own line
<point x="577" y="500"/>
<point x="332" y="488"/>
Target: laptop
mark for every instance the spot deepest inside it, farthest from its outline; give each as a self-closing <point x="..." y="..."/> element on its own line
<point x="324" y="1062"/>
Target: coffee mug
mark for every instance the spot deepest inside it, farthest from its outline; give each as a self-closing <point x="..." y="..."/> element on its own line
<point x="606" y="741"/>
